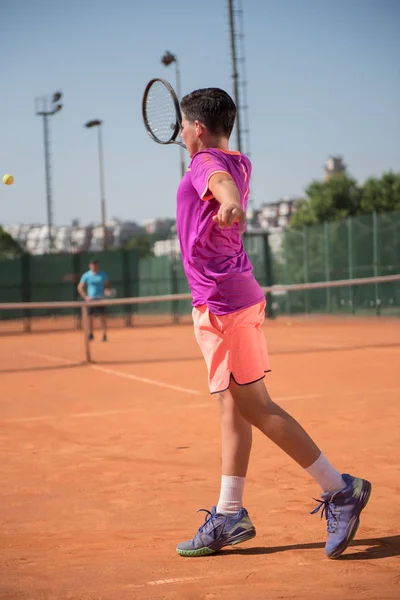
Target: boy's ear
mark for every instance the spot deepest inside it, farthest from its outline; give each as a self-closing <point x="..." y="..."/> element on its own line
<point x="199" y="128"/>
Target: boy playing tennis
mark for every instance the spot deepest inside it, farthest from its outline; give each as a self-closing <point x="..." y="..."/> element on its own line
<point x="228" y="313"/>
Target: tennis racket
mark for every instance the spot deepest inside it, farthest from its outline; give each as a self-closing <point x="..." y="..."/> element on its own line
<point x="161" y="112"/>
<point x="110" y="293"/>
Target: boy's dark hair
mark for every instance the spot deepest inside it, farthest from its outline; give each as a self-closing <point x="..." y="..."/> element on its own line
<point x="212" y="107"/>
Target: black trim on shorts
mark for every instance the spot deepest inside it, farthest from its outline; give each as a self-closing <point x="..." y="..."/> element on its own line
<point x="240" y="384"/>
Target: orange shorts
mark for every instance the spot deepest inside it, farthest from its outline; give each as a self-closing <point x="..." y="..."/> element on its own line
<point x="233" y="345"/>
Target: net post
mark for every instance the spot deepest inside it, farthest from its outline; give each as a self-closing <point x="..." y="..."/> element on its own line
<point x="376" y="259"/>
<point x="351" y="260"/>
<point x="327" y="266"/>
<point x="85" y="323"/>
<point x="269" y="278"/>
<point x="306" y="268"/>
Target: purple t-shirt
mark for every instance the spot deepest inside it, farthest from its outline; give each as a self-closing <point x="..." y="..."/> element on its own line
<point x="217" y="267"/>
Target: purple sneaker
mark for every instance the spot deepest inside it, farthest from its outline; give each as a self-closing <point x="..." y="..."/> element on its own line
<point x="218" y="531"/>
<point x="342" y="511"/>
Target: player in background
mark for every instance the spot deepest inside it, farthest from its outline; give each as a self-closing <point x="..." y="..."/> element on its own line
<point x="94" y="285"/>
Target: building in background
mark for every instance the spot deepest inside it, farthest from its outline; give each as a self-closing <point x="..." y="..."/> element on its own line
<point x="157" y="225"/>
<point x="276" y="214"/>
<point x="273" y="217"/>
<point x="72" y="238"/>
<point x="334" y="166"/>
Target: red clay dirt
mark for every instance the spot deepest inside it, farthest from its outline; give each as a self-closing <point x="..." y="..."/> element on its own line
<point x="105" y="465"/>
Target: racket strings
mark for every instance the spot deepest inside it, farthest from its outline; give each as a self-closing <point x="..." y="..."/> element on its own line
<point x="161" y="112"/>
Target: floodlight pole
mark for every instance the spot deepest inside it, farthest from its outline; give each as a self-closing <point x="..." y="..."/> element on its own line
<point x="167" y="59"/>
<point x="97" y="123"/>
<point x="46" y="106"/>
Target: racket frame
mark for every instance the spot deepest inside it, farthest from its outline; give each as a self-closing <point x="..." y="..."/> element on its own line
<point x="178" y="122"/>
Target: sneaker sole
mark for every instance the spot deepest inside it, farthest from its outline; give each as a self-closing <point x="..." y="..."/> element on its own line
<point x="207" y="551"/>
<point x="364" y="498"/>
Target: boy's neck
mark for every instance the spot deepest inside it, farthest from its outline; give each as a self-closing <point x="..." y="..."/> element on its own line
<point x="216" y="143"/>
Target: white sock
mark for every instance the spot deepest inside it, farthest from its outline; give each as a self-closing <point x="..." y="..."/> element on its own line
<point x="231" y="496"/>
<point x="325" y="475"/>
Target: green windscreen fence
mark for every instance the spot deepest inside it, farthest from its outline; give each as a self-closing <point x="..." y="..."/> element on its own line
<point x="365" y="246"/>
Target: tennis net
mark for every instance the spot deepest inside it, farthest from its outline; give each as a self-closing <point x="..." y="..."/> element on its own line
<point x="360" y="297"/>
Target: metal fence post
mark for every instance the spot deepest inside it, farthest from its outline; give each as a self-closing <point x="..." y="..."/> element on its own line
<point x="327" y="266"/>
<point x="76" y="278"/>
<point x="286" y="267"/>
<point x="125" y="255"/>
<point x="351" y="260"/>
<point x="26" y="289"/>
<point x="375" y="234"/>
<point x="174" y="277"/>
<point x="306" y="269"/>
<point x="269" y="278"/>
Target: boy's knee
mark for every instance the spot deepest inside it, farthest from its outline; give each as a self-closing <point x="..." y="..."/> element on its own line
<point x="227" y="406"/>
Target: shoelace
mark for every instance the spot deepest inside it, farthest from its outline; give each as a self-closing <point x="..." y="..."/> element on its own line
<point x="208" y="520"/>
<point x="330" y="511"/>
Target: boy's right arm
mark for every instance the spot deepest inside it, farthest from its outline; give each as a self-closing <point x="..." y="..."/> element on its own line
<point x="81" y="288"/>
<point x="225" y="191"/>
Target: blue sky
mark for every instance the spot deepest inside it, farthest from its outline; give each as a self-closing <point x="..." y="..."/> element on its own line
<point x="323" y="78"/>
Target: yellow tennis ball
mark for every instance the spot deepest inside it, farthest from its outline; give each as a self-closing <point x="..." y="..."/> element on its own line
<point x="8" y="179"/>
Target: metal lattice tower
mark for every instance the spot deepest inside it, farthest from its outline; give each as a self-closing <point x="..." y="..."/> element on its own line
<point x="239" y="76"/>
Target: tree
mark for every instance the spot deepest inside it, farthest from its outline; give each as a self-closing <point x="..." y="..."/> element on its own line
<point x="9" y="248"/>
<point x="381" y="195"/>
<point x="342" y="197"/>
<point x="337" y="198"/>
<point x="312" y="251"/>
<point x="142" y="243"/>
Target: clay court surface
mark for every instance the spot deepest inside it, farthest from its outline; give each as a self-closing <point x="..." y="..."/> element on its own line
<point x="105" y="465"/>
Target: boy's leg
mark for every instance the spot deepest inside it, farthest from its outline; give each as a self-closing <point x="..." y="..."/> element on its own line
<point x="344" y="496"/>
<point x="228" y="523"/>
<point x="91" y="324"/>
<point x="236" y="440"/>
<point x="256" y="407"/>
<point x="104" y="324"/>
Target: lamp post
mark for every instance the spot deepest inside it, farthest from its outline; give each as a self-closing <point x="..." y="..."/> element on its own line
<point x="97" y="123"/>
<point x="47" y="106"/>
<point x="167" y="59"/>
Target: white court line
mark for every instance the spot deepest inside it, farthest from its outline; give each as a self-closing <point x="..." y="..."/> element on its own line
<point x="53" y="358"/>
<point x="197" y="393"/>
<point x="172" y="580"/>
<point x="166" y="581"/>
<point x="169" y="386"/>
<point x="90" y="415"/>
<point x="176" y="388"/>
<point x="310" y="397"/>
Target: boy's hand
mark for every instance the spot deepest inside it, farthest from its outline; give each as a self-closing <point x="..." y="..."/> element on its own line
<point x="230" y="213"/>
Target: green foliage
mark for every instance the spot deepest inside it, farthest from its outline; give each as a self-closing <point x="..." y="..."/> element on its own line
<point x="9" y="248"/>
<point x="381" y="195"/>
<point x="142" y="243"/>
<point x="342" y="230"/>
<point x="342" y="197"/>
